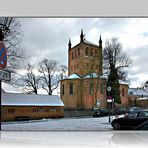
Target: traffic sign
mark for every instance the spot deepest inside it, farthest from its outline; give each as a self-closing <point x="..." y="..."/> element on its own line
<point x="109" y="100"/>
<point x="109" y="97"/>
<point x="3" y="56"/>
<point x="5" y="75"/>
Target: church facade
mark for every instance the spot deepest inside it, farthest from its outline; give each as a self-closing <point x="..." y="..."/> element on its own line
<point x="85" y="88"/>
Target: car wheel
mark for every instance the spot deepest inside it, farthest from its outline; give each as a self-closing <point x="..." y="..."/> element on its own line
<point x="116" y="126"/>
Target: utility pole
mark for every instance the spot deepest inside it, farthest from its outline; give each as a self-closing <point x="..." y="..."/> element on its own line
<point x="4" y="75"/>
<point x="109" y="100"/>
<point x="0" y="103"/>
<point x="1" y="39"/>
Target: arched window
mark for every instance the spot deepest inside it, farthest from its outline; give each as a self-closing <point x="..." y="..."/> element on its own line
<point x="71" y="89"/>
<point x="78" y="52"/>
<point x="91" y="53"/>
<point x="72" y="55"/>
<point x="63" y="89"/>
<point x="86" y="51"/>
<point x="91" y="88"/>
<point x="75" y="54"/>
<point x="123" y="92"/>
<point x="95" y="53"/>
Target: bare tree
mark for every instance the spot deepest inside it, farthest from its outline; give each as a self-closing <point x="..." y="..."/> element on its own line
<point x="11" y="29"/>
<point x="12" y="35"/>
<point x="63" y="71"/>
<point x="49" y="75"/>
<point x="29" y="81"/>
<point x="116" y="60"/>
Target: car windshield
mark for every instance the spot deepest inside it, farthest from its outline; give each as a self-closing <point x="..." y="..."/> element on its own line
<point x="134" y="109"/>
<point x="132" y="115"/>
<point x="143" y="114"/>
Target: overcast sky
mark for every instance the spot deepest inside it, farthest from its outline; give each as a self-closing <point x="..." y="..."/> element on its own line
<point x="48" y="38"/>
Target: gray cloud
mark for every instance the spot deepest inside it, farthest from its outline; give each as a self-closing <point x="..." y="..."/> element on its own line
<point x="48" y="38"/>
<point x="140" y="60"/>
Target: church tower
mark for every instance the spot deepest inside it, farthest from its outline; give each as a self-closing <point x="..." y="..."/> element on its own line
<point x="85" y="57"/>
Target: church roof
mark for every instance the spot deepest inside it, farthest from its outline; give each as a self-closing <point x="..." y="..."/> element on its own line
<point x="73" y="76"/>
<point x="86" y="43"/>
<point x="91" y="75"/>
<point x="90" y="43"/>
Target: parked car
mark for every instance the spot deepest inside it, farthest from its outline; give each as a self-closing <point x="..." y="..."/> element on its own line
<point x="121" y="111"/>
<point x="130" y="121"/>
<point x="134" y="110"/>
<point x="142" y="126"/>
<point x="100" y="113"/>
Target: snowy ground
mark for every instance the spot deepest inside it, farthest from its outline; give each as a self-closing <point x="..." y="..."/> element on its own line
<point x="62" y="124"/>
<point x="69" y="132"/>
<point x="76" y="139"/>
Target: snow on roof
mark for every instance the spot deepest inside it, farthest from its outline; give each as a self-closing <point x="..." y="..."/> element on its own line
<point x="137" y="92"/>
<point x="122" y="82"/>
<point x="73" y="76"/>
<point x="16" y="99"/>
<point x="144" y="98"/>
<point x="87" y="42"/>
<point x="93" y="75"/>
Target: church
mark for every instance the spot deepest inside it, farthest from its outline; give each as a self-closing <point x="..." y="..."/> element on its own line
<point x="85" y="87"/>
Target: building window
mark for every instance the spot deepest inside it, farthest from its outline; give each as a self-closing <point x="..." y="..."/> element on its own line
<point x="86" y="51"/>
<point x="11" y="110"/>
<point x="63" y="89"/>
<point x="35" y="110"/>
<point x="75" y="67"/>
<point x="75" y="54"/>
<point x="52" y="109"/>
<point x="47" y="110"/>
<point x="3" y="111"/>
<point x="123" y="92"/>
<point x="41" y="109"/>
<point x="72" y="55"/>
<point x="58" y="109"/>
<point x="71" y="68"/>
<point x="78" y="52"/>
<point x="91" y="88"/>
<point x="91" y="54"/>
<point x="71" y="89"/>
<point x="95" y="53"/>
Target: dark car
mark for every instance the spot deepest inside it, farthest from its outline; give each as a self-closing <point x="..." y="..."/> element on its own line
<point x="142" y="126"/>
<point x="131" y="121"/>
<point x="121" y="111"/>
<point x="134" y="110"/>
<point x="100" y="112"/>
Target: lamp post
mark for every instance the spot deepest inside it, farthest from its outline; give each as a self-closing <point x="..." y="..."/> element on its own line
<point x="109" y="99"/>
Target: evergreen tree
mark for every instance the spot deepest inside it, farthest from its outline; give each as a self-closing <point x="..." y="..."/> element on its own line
<point x="115" y="60"/>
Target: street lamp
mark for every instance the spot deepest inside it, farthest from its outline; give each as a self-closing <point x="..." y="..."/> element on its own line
<point x="109" y="99"/>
